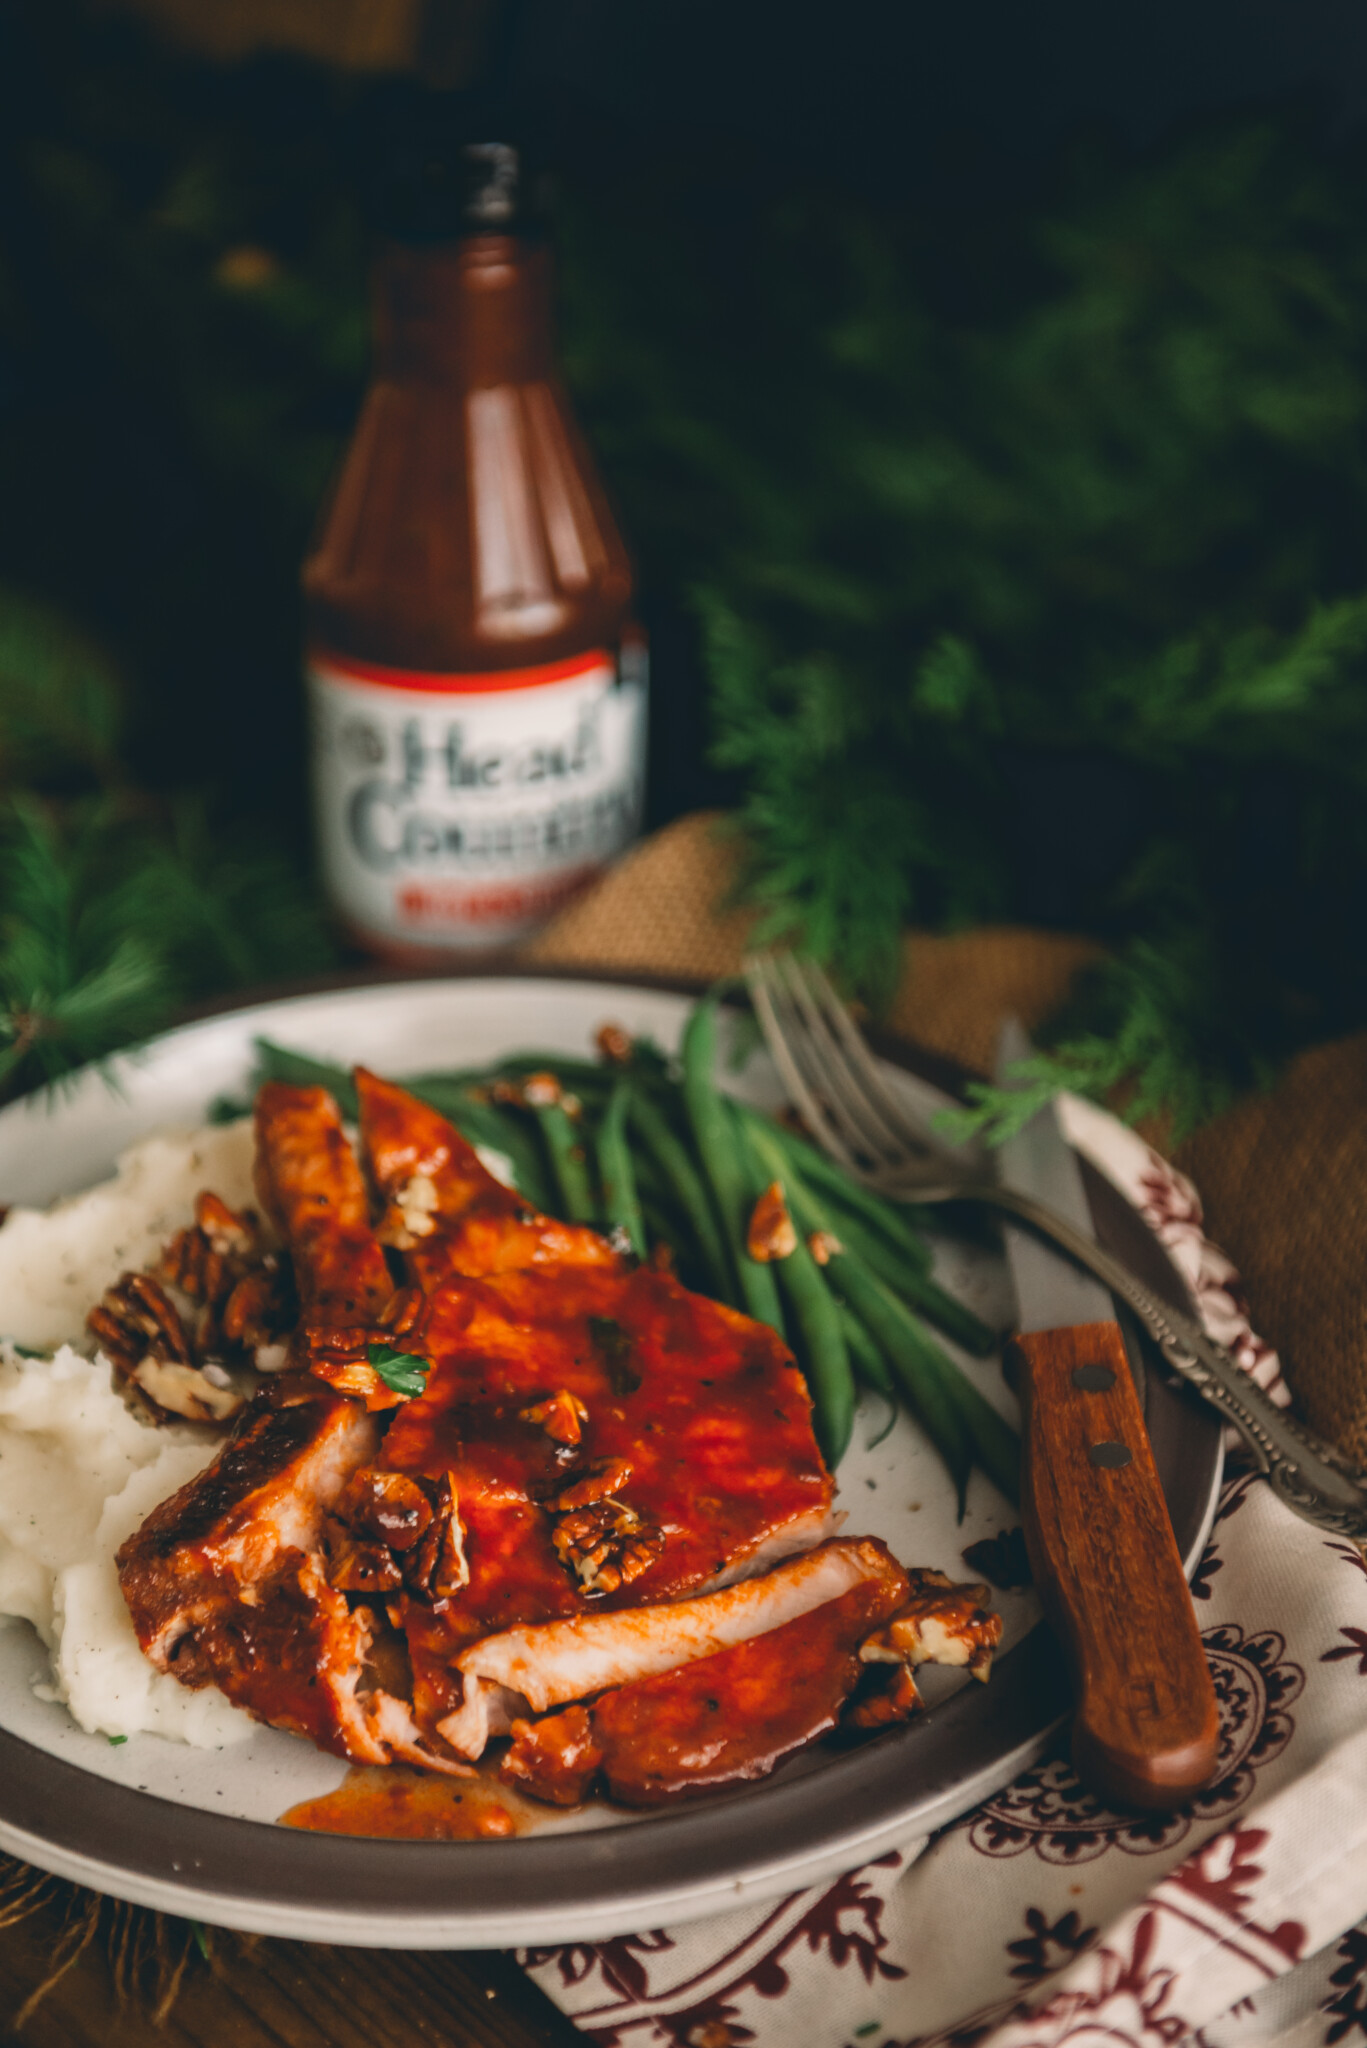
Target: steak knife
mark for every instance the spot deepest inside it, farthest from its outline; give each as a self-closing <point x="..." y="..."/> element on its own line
<point x="1105" y="1561"/>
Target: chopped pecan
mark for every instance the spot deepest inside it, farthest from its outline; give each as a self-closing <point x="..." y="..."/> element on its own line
<point x="542" y="1091"/>
<point x="940" y="1624"/>
<point x="410" y="1214"/>
<point x="386" y="1507"/>
<point x="555" y="1758"/>
<point x="222" y="1262"/>
<point x="230" y="1234"/>
<point x="438" y="1565"/>
<point x="605" y="1545"/>
<point x="395" y="1532"/>
<point x="362" y="1567"/>
<point x="607" y="1477"/>
<point x="140" y="1332"/>
<point x="256" y="1313"/>
<point x="614" y="1044"/>
<point x="208" y="1259"/>
<point x="403" y="1312"/>
<point x="198" y="1394"/>
<point x="341" y="1356"/>
<point x="771" y="1233"/>
<point x="888" y="1695"/>
<point x="561" y="1415"/>
<point x="137" y="1318"/>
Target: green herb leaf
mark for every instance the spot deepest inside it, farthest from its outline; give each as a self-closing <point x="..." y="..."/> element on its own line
<point x="115" y="1740"/>
<point x="403" y="1372"/>
<point x="614" y="1346"/>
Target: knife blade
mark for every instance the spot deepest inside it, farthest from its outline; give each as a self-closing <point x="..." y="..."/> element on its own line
<point x="1101" y="1547"/>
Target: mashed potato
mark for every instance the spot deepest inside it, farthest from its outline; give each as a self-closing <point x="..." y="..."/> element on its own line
<point x="78" y="1470"/>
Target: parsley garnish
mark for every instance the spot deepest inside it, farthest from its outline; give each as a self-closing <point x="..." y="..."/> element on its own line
<point x="614" y="1345"/>
<point x="115" y="1740"/>
<point x="403" y="1372"/>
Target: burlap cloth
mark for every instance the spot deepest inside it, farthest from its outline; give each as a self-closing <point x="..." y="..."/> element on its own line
<point x="1283" y="1175"/>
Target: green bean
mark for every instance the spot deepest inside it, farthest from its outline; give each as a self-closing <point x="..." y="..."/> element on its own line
<point x="952" y="1317"/>
<point x="868" y="1361"/>
<point x="889" y="1261"/>
<point x="996" y="1445"/>
<point x="645" y="1056"/>
<point x="904" y="1277"/>
<point x="917" y="1362"/>
<point x="671" y="1157"/>
<point x="569" y="1166"/>
<point x="621" y="1205"/>
<point x="821" y="1340"/>
<point x="715" y="1134"/>
<point x="832" y="1182"/>
<point x="663" y="1226"/>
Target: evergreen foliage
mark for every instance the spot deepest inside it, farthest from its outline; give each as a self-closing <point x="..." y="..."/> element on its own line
<point x="115" y="910"/>
<point x="1030" y="562"/>
<point x="1024" y="543"/>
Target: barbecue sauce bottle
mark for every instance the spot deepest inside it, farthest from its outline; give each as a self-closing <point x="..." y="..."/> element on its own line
<point x="477" y="694"/>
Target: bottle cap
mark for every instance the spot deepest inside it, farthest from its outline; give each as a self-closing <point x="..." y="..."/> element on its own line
<point x="491" y="189"/>
<point x="431" y="174"/>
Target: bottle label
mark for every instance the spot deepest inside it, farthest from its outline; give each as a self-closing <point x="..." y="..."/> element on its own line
<point x="460" y="811"/>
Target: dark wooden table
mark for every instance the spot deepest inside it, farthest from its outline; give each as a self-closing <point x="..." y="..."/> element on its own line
<point x="277" y="1994"/>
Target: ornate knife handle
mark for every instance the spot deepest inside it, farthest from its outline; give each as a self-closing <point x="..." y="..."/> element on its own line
<point x="1315" y="1481"/>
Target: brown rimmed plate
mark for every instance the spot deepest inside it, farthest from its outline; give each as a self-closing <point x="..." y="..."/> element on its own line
<point x="192" y="1831"/>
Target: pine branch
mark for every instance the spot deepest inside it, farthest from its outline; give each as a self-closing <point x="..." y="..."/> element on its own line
<point x="1155" y="1033"/>
<point x="111" y="924"/>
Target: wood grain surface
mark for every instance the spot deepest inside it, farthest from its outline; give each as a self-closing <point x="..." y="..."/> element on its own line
<point x="1107" y="1569"/>
<point x="277" y="1994"/>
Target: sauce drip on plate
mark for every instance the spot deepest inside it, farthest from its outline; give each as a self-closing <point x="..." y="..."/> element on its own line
<point x="391" y="1800"/>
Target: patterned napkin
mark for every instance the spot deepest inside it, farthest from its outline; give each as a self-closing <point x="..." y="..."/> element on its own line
<point x="1040" y="1918"/>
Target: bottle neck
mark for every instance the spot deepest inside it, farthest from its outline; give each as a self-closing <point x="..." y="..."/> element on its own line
<point x="472" y="312"/>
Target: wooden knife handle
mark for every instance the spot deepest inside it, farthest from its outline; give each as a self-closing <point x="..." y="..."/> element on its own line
<point x="1106" y="1566"/>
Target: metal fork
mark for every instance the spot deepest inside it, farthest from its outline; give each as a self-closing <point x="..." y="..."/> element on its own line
<point x="843" y="1096"/>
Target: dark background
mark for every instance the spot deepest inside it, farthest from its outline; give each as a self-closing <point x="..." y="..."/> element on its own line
<point x="162" y="451"/>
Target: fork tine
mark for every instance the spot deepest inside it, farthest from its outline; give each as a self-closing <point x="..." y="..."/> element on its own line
<point x="866" y="1127"/>
<point x="810" y="1064"/>
<point x="898" y="1118"/>
<point x="774" y="1009"/>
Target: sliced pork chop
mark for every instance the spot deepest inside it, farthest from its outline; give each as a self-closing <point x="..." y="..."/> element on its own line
<point x="716" y="1721"/>
<point x="693" y="1458"/>
<point x="310" y="1184"/>
<point x="227" y="1581"/>
<point x="589" y="1437"/>
<point x="446" y="1211"/>
<point x="579" y="1658"/>
<point x="607" y="1437"/>
<point x="224" y="1580"/>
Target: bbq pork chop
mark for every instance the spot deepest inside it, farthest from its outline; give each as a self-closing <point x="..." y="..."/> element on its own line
<point x="588" y="1436"/>
<point x="508" y="1471"/>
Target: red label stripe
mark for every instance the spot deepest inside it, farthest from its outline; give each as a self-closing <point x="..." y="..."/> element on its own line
<point x="344" y="669"/>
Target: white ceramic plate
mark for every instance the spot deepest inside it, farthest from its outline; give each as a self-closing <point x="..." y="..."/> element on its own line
<point x="192" y="1831"/>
